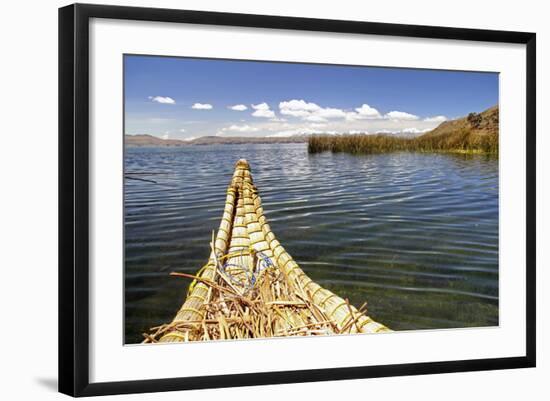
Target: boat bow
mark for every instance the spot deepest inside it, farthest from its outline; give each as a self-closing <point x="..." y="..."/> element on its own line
<point x="251" y="287"/>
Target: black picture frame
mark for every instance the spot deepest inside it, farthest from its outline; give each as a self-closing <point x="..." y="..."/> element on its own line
<point x="74" y="197"/>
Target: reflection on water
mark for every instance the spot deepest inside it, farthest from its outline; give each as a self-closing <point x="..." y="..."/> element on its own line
<point x="415" y="235"/>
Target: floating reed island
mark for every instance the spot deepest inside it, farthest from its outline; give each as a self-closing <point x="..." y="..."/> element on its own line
<point x="252" y="288"/>
<point x="474" y="134"/>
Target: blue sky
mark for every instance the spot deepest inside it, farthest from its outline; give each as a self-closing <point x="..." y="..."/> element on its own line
<point x="185" y="98"/>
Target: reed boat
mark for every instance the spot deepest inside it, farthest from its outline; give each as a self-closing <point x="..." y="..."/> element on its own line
<point x="252" y="288"/>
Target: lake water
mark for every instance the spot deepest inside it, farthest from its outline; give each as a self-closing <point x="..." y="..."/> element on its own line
<point x="415" y="235"/>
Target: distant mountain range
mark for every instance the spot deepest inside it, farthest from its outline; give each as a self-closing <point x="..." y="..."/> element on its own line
<point x="150" y="140"/>
<point x="153" y="141"/>
<point x="477" y="124"/>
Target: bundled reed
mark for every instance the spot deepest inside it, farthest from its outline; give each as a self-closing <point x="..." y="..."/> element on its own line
<point x="252" y="288"/>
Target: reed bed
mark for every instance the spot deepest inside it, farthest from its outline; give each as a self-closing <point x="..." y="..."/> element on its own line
<point x="464" y="141"/>
<point x="252" y="288"/>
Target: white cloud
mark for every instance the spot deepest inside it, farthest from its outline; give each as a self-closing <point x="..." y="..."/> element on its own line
<point x="297" y="108"/>
<point x="264" y="113"/>
<point x="202" y="106"/>
<point x="240" y="128"/>
<point x="238" y="107"/>
<point x="330" y="112"/>
<point x="260" y="106"/>
<point x="309" y="111"/>
<point x="365" y="111"/>
<point x="353" y="116"/>
<point x="415" y="130"/>
<point x="295" y="113"/>
<point x="262" y="110"/>
<point x="165" y="136"/>
<point x="302" y="131"/>
<point x="315" y="119"/>
<point x="435" y="119"/>
<point x="162" y="99"/>
<point x="400" y="115"/>
<point x="182" y="130"/>
<point x="312" y="112"/>
<point x="293" y="132"/>
<point x="310" y="118"/>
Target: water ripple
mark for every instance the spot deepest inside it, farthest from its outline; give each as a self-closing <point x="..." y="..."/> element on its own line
<point x="414" y="234"/>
